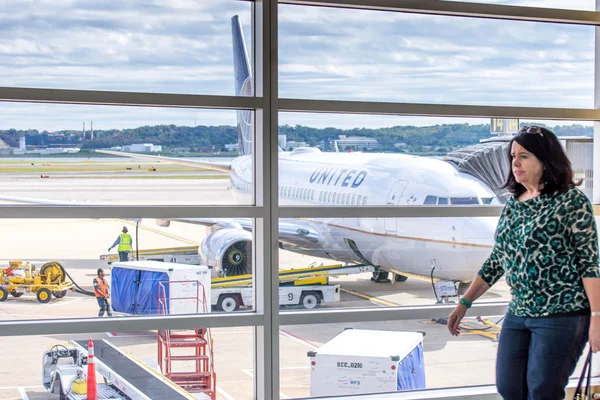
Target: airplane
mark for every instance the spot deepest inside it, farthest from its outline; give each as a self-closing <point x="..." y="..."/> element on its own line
<point x="451" y="249"/>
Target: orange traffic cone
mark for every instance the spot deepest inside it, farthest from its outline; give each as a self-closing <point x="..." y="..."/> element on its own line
<point x="91" y="373"/>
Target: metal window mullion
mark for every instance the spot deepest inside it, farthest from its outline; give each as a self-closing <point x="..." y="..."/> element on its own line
<point x="125" y="324"/>
<point x="437" y="110"/>
<point x="100" y="211"/>
<point x="596" y="155"/>
<point x="266" y="277"/>
<point x="353" y="315"/>
<point x="103" y="97"/>
<point x="462" y="9"/>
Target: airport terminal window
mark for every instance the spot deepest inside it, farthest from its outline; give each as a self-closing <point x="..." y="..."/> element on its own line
<point x="443" y="200"/>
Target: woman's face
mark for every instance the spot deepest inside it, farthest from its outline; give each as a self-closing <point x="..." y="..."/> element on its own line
<point x="526" y="167"/>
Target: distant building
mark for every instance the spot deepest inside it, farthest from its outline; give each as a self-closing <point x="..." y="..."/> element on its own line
<point x="355" y="143"/>
<point x="142" y="148"/>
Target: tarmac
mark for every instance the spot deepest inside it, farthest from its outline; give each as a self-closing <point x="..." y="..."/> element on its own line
<point x="449" y="361"/>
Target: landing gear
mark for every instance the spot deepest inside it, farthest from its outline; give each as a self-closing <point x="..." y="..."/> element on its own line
<point x="381" y="277"/>
<point x="400" y="278"/>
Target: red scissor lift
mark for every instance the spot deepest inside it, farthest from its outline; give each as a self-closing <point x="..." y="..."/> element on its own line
<point x="198" y="343"/>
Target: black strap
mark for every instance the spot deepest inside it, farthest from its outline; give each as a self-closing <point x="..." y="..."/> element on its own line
<point x="587" y="367"/>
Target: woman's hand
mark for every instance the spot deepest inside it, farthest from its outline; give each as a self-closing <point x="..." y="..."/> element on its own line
<point x="595" y="334"/>
<point x="457" y="315"/>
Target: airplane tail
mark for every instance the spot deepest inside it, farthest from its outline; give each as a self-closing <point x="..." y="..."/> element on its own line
<point x="243" y="87"/>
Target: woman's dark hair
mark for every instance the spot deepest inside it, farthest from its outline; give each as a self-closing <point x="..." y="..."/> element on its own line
<point x="543" y="143"/>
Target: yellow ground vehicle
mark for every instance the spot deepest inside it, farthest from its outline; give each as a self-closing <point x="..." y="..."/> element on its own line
<point x="22" y="277"/>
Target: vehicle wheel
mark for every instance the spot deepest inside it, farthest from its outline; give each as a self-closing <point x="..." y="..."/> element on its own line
<point x="60" y="295"/>
<point x="400" y="278"/>
<point x="15" y="294"/>
<point x="3" y="294"/>
<point x="44" y="295"/>
<point x="228" y="303"/>
<point x="310" y="300"/>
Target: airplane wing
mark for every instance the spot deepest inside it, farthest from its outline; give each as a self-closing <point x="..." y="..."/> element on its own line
<point x="293" y="232"/>
<point x="217" y="166"/>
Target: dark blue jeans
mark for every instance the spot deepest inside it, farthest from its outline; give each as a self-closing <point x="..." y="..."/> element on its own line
<point x="104" y="306"/>
<point x="536" y="356"/>
<point x="123" y="256"/>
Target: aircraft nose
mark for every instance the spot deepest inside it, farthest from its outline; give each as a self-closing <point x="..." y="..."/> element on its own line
<point x="480" y="230"/>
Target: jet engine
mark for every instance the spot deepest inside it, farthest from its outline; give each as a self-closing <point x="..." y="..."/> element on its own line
<point x="229" y="250"/>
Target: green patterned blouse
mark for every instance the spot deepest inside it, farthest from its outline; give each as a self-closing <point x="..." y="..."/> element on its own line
<point x="546" y="245"/>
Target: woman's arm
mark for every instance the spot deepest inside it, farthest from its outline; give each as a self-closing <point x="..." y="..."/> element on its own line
<point x="592" y="290"/>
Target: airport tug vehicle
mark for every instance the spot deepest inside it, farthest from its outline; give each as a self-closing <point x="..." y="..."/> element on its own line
<point x="22" y="277"/>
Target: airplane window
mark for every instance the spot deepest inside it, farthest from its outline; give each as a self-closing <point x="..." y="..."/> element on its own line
<point x="365" y="200"/>
<point x="321" y="196"/>
<point x="329" y="197"/>
<point x="344" y="199"/>
<point x="353" y="199"/>
<point x="302" y="193"/>
<point x="335" y="198"/>
<point x="312" y="194"/>
<point x="463" y="200"/>
<point x="443" y="200"/>
<point x="430" y="200"/>
<point x="359" y="201"/>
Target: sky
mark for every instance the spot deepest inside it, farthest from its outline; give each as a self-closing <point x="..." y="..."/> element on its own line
<point x="184" y="46"/>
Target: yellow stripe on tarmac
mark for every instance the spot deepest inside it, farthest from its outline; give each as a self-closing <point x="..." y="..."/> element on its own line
<point x="169" y="235"/>
<point x="370" y="298"/>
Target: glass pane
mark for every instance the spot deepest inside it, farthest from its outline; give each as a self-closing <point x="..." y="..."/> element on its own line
<point x="55" y="153"/>
<point x="342" y="54"/>
<point x="346" y="359"/>
<point x="171" y="47"/>
<point x="135" y="357"/>
<point x="50" y="267"/>
<point x="370" y="160"/>
<point x="584" y="5"/>
<point x="382" y="262"/>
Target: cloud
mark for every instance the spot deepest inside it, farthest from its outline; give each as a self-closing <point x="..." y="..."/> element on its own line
<point x="184" y="46"/>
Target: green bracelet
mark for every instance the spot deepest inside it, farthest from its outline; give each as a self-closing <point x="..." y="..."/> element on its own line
<point x="465" y="302"/>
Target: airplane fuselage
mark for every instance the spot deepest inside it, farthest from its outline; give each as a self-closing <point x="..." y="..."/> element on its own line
<point x="455" y="246"/>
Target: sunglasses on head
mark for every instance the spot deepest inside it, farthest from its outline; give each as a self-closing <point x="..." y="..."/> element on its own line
<point x="532" y="129"/>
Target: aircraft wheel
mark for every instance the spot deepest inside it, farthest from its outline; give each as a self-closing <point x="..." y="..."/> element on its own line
<point x="3" y="294"/>
<point x="400" y="278"/>
<point x="380" y="276"/>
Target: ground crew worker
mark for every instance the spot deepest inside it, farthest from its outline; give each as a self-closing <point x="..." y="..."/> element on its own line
<point x="101" y="292"/>
<point x="124" y="242"/>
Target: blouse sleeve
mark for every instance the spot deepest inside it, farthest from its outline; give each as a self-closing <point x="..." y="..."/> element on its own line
<point x="583" y="234"/>
<point x="492" y="269"/>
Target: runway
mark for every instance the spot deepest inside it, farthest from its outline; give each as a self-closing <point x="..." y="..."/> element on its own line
<point x="77" y="244"/>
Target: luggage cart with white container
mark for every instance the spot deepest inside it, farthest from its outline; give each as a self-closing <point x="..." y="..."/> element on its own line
<point x="360" y="361"/>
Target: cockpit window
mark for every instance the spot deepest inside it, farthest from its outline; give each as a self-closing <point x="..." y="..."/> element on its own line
<point x="430" y="200"/>
<point x="463" y="200"/>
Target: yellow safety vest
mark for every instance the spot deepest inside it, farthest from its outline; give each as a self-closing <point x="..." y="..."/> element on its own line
<point x="125" y="242"/>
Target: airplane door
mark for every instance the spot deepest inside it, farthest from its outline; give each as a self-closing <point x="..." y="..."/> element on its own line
<point x="393" y="199"/>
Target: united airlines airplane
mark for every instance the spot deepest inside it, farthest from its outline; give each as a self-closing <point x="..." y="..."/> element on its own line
<point x="444" y="248"/>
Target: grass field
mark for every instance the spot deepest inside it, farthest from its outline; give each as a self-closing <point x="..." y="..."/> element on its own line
<point x="32" y="167"/>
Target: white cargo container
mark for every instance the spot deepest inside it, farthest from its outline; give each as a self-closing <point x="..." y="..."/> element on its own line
<point x="360" y="361"/>
<point x="154" y="287"/>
